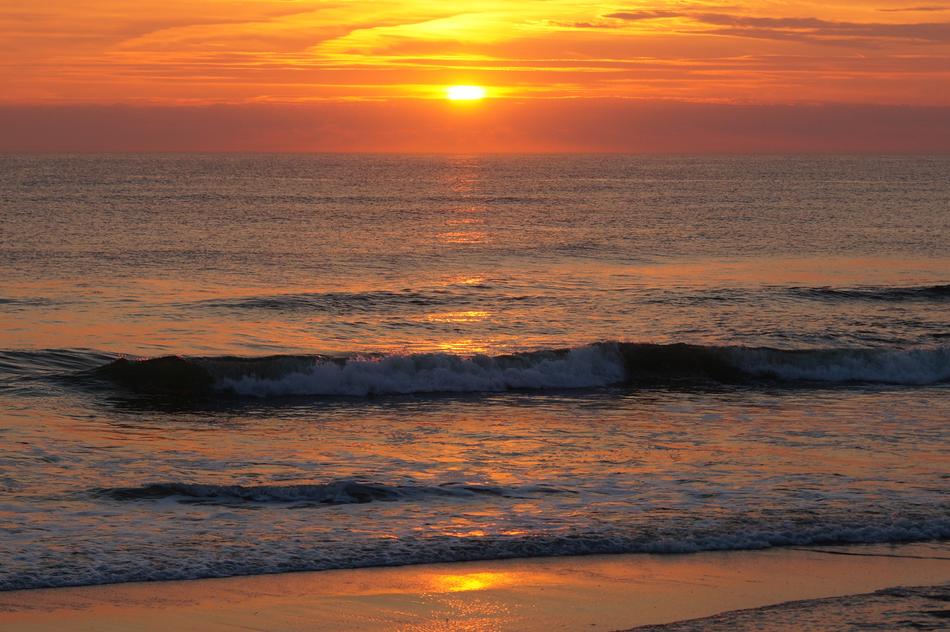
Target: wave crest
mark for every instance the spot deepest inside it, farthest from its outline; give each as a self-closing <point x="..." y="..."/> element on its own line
<point x="584" y="367"/>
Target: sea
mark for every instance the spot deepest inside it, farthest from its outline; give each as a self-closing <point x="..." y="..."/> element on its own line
<point x="218" y="365"/>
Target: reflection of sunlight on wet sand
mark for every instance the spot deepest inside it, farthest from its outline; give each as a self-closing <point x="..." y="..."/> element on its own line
<point x="472" y="581"/>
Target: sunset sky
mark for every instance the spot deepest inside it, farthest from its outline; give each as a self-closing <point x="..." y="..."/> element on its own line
<point x="306" y="74"/>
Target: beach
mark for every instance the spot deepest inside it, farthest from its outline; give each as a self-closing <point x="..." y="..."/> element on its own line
<point x="571" y="593"/>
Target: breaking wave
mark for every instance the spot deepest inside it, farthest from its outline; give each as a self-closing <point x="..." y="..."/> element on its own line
<point x="303" y="555"/>
<point x="592" y="366"/>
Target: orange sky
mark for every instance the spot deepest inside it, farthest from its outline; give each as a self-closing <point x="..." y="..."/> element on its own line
<point x="174" y="53"/>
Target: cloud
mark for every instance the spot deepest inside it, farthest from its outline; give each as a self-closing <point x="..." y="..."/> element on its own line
<point x="644" y="15"/>
<point x="806" y="29"/>
<point x="180" y="51"/>
<point x="903" y="9"/>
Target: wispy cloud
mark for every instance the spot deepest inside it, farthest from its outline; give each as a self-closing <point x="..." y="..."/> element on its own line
<point x="644" y="15"/>
<point x="805" y="29"/>
<point x="912" y="9"/>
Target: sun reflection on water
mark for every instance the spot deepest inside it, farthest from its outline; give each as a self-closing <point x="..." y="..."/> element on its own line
<point x="462" y="237"/>
<point x="463" y="347"/>
<point x="457" y="317"/>
<point x="464" y="280"/>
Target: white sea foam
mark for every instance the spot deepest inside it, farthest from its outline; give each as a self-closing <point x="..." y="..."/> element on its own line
<point x="267" y="556"/>
<point x="584" y="367"/>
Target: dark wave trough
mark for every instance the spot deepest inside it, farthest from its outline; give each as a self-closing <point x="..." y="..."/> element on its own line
<point x="341" y="492"/>
<point x="938" y="292"/>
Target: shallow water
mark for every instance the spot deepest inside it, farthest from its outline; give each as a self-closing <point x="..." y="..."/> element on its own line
<point x="469" y="358"/>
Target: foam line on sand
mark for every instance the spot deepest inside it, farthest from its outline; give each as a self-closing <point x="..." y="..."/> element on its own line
<point x="607" y="592"/>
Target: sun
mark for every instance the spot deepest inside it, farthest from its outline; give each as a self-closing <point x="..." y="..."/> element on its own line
<point x="465" y="93"/>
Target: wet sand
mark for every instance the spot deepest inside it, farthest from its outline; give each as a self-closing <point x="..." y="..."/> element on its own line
<point x="914" y="608"/>
<point x="567" y="593"/>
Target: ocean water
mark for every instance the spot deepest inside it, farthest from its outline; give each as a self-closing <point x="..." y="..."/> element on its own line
<point x="221" y="365"/>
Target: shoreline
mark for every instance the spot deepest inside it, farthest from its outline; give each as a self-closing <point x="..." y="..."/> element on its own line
<point x="598" y="592"/>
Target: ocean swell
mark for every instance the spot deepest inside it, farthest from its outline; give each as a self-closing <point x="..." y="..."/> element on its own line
<point x="342" y="492"/>
<point x="938" y="292"/>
